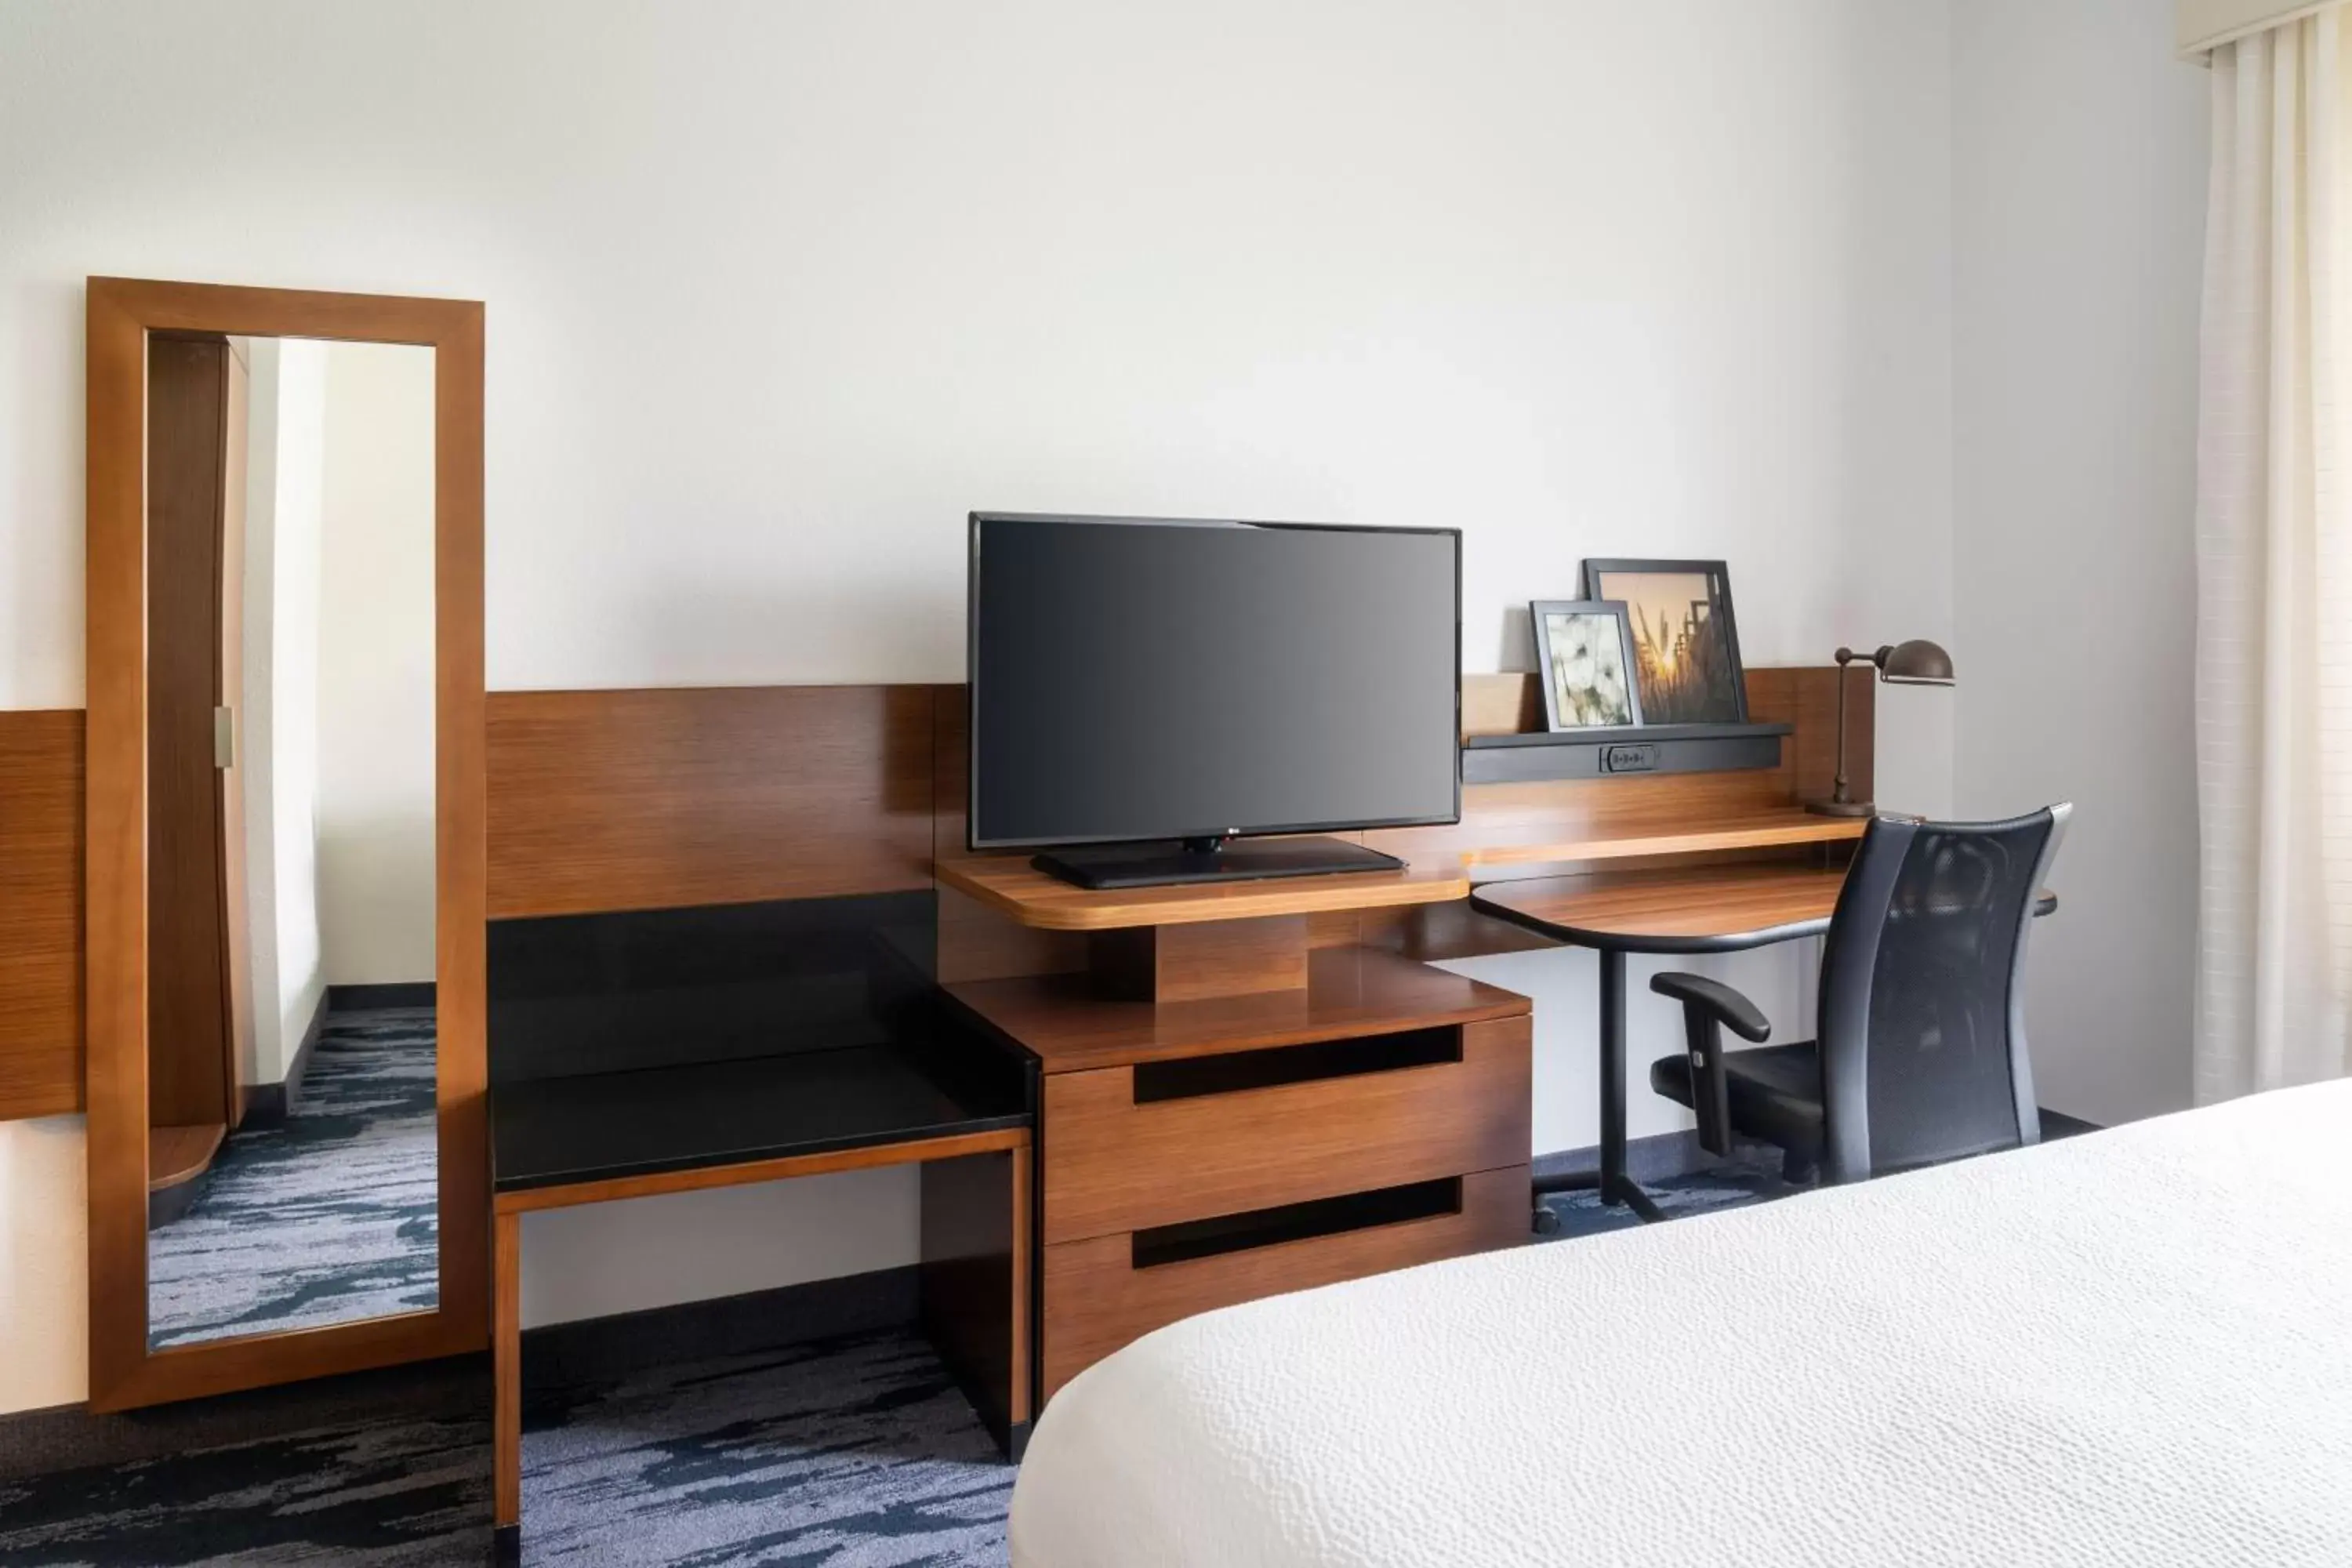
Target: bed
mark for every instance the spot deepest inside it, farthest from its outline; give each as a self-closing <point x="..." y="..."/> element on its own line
<point x="2133" y="1348"/>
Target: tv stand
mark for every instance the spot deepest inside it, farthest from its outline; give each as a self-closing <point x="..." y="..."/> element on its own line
<point x="1169" y="863"/>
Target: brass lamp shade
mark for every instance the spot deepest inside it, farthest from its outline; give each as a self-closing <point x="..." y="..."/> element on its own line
<point x="1914" y="663"/>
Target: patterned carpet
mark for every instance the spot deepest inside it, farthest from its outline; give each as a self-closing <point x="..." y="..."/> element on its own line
<point x="326" y="1217"/>
<point x="850" y="1452"/>
<point x="1722" y="1186"/>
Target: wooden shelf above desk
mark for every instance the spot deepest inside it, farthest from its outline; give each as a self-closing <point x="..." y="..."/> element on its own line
<point x="1011" y="886"/>
<point x="1791" y="829"/>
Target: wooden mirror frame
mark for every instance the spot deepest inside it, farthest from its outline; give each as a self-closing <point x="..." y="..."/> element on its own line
<point x="123" y="1372"/>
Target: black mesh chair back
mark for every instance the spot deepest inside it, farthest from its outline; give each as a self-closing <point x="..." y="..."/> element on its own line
<point x="1922" y="1007"/>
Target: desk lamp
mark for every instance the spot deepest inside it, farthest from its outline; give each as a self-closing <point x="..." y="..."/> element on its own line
<point x="1916" y="663"/>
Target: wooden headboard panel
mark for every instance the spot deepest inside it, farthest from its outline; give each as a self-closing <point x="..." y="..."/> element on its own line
<point x="670" y="798"/>
<point x="665" y="798"/>
<point x="40" y="913"/>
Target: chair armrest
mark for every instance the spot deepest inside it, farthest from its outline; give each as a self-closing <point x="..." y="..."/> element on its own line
<point x="1708" y="1006"/>
<point x="1717" y="1001"/>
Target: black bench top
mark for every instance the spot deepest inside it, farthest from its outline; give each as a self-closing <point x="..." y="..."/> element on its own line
<point x="591" y="1127"/>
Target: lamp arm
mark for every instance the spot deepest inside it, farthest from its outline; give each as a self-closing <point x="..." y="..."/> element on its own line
<point x="1843" y="793"/>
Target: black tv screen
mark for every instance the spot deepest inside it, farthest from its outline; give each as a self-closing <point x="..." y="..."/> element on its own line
<point x="1137" y="679"/>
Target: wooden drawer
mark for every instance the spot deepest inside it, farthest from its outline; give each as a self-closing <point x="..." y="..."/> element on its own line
<point x="1133" y="1148"/>
<point x="1098" y="1298"/>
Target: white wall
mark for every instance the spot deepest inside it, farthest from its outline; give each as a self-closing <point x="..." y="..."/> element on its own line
<point x="278" y="741"/>
<point x="2080" y="195"/>
<point x="257" y="752"/>
<point x="298" y="524"/>
<point x="776" y="294"/>
<point x="43" y="1263"/>
<point x="375" y="643"/>
<point x="338" y="708"/>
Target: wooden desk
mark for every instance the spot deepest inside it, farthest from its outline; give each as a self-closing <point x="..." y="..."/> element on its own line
<point x="1695" y="909"/>
<point x="1256" y="1087"/>
<point x="596" y="1138"/>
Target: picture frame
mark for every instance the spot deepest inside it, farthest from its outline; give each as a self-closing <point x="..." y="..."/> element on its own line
<point x="1686" y="637"/>
<point x="1586" y="665"/>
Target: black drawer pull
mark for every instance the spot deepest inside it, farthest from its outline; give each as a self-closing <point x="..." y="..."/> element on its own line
<point x="1295" y="1222"/>
<point x="1191" y="1076"/>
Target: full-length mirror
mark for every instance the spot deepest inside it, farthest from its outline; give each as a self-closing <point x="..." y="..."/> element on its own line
<point x="286" y="870"/>
<point x="291" y="1166"/>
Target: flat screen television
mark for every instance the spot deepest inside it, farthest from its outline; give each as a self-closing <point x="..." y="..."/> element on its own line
<point x="1151" y="697"/>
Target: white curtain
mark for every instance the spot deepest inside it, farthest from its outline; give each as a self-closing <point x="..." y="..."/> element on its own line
<point x="2275" y="569"/>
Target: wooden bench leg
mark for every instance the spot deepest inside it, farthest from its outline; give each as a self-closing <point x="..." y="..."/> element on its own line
<point x="506" y="1356"/>
<point x="1022" y="1173"/>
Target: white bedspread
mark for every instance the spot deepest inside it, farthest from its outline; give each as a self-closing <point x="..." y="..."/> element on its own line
<point x="2132" y="1349"/>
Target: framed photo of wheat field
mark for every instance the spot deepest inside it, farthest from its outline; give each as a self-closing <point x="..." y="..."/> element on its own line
<point x="1584" y="654"/>
<point x="1686" y="642"/>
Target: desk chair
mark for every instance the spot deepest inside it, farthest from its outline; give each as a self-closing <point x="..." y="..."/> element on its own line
<point x="1922" y="1053"/>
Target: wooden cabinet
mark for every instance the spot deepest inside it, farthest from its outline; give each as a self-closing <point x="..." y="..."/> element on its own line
<point x="1121" y="1163"/>
<point x="1098" y="1297"/>
<point x="1202" y="1151"/>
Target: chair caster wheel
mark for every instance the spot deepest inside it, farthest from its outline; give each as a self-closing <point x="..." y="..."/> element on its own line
<point x="1545" y="1222"/>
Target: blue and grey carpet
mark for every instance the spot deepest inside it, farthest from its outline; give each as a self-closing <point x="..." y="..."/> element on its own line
<point x="850" y="1452"/>
<point x="327" y="1216"/>
<point x="1722" y="1186"/>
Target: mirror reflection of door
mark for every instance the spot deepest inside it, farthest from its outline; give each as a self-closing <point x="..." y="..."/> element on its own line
<point x="292" y="1177"/>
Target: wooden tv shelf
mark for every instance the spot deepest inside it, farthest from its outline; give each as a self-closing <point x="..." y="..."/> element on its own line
<point x="1010" y="885"/>
<point x="1069" y="1025"/>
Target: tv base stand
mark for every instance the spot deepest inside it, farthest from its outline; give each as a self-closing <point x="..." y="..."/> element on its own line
<point x="1177" y="862"/>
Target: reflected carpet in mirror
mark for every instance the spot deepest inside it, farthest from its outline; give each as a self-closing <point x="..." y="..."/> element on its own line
<point x="327" y="1217"/>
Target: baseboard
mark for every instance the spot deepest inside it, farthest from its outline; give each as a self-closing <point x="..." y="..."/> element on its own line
<point x="70" y="1438"/>
<point x="394" y="993"/>
<point x="2056" y="1124"/>
<point x="67" y="1437"/>
<point x="300" y="1064"/>
<point x="597" y="1349"/>
<point x="267" y="1104"/>
<point x="1666" y="1155"/>
<point x="165" y="1204"/>
<point x="1658" y="1158"/>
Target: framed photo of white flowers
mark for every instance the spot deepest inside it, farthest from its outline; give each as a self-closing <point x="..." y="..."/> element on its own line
<point x="1584" y="654"/>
